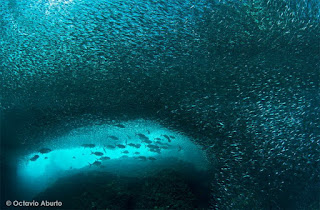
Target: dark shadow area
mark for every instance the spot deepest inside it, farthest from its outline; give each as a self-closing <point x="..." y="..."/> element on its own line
<point x="165" y="189"/>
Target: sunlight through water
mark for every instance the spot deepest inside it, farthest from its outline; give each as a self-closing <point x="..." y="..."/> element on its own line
<point x="129" y="148"/>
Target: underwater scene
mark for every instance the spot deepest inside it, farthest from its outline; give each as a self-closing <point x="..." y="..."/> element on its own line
<point x="160" y="104"/>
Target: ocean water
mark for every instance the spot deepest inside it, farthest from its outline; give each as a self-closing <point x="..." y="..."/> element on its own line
<point x="112" y="149"/>
<point x="208" y="104"/>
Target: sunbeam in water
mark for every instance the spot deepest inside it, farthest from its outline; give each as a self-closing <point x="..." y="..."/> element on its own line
<point x="129" y="148"/>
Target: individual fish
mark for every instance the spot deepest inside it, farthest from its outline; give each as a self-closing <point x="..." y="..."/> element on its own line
<point x="151" y="146"/>
<point x="167" y="137"/>
<point x="137" y="153"/>
<point x="147" y="141"/>
<point x="45" y="157"/>
<point x="105" y="158"/>
<point x="142" y="136"/>
<point x="135" y="145"/>
<point x="95" y="163"/>
<point x="74" y="157"/>
<point x="114" y="137"/>
<point x="88" y="145"/>
<point x="121" y="146"/>
<point x="152" y="158"/>
<point x="45" y="150"/>
<point x="172" y="137"/>
<point x="110" y="146"/>
<point x="126" y="152"/>
<point x="158" y="139"/>
<point x="142" y="158"/>
<point x="34" y="158"/>
<point x="97" y="153"/>
<point x="120" y="125"/>
<point x="124" y="156"/>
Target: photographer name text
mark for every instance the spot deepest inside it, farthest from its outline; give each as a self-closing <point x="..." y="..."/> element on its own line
<point x="33" y="203"/>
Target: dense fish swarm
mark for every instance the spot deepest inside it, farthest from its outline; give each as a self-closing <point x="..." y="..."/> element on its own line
<point x="241" y="77"/>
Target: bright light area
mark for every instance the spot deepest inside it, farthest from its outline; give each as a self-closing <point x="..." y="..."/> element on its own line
<point x="129" y="148"/>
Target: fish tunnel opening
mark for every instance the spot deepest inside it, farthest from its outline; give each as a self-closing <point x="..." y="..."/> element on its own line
<point x="137" y="154"/>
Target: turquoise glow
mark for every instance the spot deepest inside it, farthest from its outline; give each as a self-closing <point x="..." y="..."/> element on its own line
<point x="69" y="156"/>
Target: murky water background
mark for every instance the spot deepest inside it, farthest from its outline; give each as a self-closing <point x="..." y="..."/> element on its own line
<point x="239" y="78"/>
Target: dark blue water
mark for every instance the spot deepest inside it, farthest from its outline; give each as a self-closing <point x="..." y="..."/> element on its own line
<point x="237" y="80"/>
